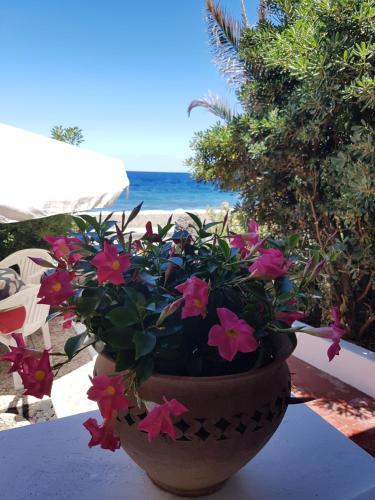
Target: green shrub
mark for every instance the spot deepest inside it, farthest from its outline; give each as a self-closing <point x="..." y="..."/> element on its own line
<point x="30" y="233"/>
<point x="302" y="153"/>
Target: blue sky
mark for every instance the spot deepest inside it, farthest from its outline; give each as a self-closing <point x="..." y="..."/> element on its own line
<point x="124" y="71"/>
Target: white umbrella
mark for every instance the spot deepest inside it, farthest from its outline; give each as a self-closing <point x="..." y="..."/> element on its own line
<point x="40" y="176"/>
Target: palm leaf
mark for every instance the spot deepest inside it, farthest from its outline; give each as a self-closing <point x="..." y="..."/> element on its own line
<point x="224" y="33"/>
<point x="215" y="105"/>
<point x="245" y="20"/>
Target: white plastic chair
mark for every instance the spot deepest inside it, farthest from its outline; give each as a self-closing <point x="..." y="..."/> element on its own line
<point x="29" y="272"/>
<point x="36" y="316"/>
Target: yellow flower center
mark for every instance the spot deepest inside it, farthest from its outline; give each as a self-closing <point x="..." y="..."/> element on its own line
<point x="116" y="265"/>
<point x="40" y="375"/>
<point x="110" y="390"/>
<point x="231" y="332"/>
<point x="56" y="287"/>
<point x="198" y="303"/>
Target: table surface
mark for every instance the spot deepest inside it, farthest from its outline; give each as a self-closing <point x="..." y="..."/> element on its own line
<point x="306" y="459"/>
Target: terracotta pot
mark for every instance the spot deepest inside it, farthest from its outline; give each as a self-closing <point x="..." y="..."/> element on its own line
<point x="230" y="419"/>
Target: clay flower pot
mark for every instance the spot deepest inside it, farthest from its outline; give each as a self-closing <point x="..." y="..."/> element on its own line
<point x="230" y="419"/>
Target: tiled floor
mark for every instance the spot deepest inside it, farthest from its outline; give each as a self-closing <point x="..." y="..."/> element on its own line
<point x="352" y="412"/>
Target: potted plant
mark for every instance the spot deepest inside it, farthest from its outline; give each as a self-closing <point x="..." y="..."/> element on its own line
<point x="193" y="327"/>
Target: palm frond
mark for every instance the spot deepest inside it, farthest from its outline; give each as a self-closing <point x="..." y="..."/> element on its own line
<point x="215" y="105"/>
<point x="224" y="33"/>
<point x="262" y="10"/>
<point x="245" y="20"/>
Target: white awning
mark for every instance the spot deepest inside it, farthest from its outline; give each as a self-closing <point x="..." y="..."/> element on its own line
<point x="40" y="176"/>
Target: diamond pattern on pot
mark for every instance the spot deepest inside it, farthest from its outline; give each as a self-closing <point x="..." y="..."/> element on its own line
<point x="225" y="427"/>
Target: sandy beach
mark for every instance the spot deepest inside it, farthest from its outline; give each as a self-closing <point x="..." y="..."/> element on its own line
<point x="161" y="217"/>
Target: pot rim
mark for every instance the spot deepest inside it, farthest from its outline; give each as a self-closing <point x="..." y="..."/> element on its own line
<point x="215" y="378"/>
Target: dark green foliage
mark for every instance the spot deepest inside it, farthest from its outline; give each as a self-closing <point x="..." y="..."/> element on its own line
<point x="139" y="322"/>
<point x="302" y="153"/>
<point x="30" y="233"/>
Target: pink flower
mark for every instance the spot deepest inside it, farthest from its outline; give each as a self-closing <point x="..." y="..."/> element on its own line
<point x="109" y="394"/>
<point x="334" y="332"/>
<point x="102" y="435"/>
<point x="37" y="376"/>
<point x="271" y="264"/>
<point x="245" y="241"/>
<point x="232" y="335"/>
<point x="55" y="288"/>
<point x="195" y="293"/>
<point x="289" y="317"/>
<point x="110" y="265"/>
<point x="159" y="419"/>
<point x="337" y="332"/>
<point x="18" y="355"/>
<point x="149" y="234"/>
<point x="137" y="246"/>
<point x="63" y="245"/>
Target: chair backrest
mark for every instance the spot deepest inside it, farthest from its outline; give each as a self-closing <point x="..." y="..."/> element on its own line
<point x="36" y="314"/>
<point x="30" y="273"/>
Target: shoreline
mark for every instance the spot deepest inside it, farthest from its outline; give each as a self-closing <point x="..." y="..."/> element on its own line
<point x="158" y="216"/>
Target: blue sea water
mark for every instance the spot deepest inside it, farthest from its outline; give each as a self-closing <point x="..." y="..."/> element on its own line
<point x="170" y="191"/>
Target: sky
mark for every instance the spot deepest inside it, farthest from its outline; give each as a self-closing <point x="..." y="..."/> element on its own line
<point x="124" y="71"/>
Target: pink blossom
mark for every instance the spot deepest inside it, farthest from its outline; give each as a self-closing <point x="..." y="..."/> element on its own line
<point x="334" y="332"/>
<point x="319" y="266"/>
<point x="102" y="434"/>
<point x="37" y="376"/>
<point x="232" y="335"/>
<point x="150" y="235"/>
<point x="271" y="264"/>
<point x="110" y="265"/>
<point x="18" y="354"/>
<point x="245" y="241"/>
<point x="62" y="246"/>
<point x="195" y="293"/>
<point x="289" y="317"/>
<point x="109" y="394"/>
<point x="137" y="246"/>
<point x="159" y="420"/>
<point x="55" y="288"/>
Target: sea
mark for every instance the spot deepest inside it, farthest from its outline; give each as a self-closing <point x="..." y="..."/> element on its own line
<point x="171" y="191"/>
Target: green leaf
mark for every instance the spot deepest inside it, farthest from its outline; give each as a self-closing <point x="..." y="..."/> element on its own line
<point x="196" y="219"/>
<point x="87" y="305"/>
<point x="92" y="221"/>
<point x="163" y="231"/>
<point x="82" y="226"/>
<point x="176" y="261"/>
<point x="123" y="316"/>
<point x="73" y="344"/>
<point x="118" y="337"/>
<point x="225" y="248"/>
<point x="293" y="241"/>
<point x="144" y="343"/>
<point x="211" y="224"/>
<point x="144" y="369"/>
<point x="124" y="360"/>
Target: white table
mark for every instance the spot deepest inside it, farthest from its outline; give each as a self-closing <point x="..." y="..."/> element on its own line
<point x="306" y="459"/>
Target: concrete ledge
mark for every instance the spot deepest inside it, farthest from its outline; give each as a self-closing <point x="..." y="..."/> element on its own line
<point x="355" y="365"/>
